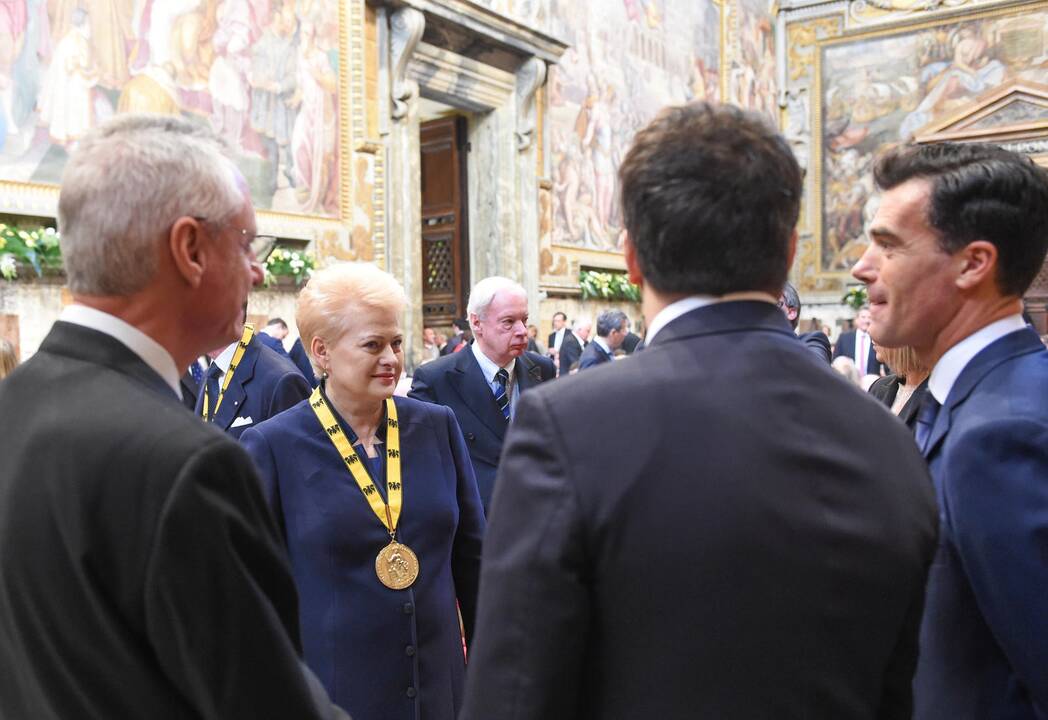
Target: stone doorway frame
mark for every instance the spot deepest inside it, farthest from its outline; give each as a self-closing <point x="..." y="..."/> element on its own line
<point x="502" y="166"/>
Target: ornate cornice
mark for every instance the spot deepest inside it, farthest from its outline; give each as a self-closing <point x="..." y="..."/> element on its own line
<point x="530" y="77"/>
<point x="406" y="26"/>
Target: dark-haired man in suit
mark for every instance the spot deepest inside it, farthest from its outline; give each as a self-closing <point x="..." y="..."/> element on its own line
<point x="857" y="345"/>
<point x="273" y="334"/>
<point x="484" y="382"/>
<point x="702" y="556"/>
<point x="612" y="326"/>
<point x="816" y="342"/>
<point x="959" y="236"/>
<point x="141" y="574"/>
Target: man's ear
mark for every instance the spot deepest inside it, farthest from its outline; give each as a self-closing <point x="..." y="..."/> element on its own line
<point x="632" y="263"/>
<point x="185" y="243"/>
<point x="978" y="265"/>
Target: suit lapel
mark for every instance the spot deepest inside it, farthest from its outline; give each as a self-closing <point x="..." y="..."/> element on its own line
<point x="527" y="373"/>
<point x="1020" y="342"/>
<point x="235" y="394"/>
<point x="469" y="382"/>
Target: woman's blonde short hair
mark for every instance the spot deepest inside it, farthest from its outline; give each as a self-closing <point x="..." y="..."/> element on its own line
<point x="326" y="303"/>
<point x="903" y="361"/>
<point x="8" y="361"/>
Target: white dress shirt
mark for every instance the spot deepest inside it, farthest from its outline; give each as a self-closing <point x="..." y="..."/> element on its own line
<point x="223" y="361"/>
<point x="603" y="344"/>
<point x="862" y="351"/>
<point x="149" y="350"/>
<point x="558" y="338"/>
<point x="953" y="362"/>
<point x="673" y="311"/>
<point x="489" y="368"/>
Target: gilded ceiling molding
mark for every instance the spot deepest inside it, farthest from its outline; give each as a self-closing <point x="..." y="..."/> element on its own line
<point x="406" y="26"/>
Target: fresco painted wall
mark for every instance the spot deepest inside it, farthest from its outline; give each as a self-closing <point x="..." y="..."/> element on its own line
<point x="263" y="73"/>
<point x="751" y="72"/>
<point x="876" y="91"/>
<point x="628" y="59"/>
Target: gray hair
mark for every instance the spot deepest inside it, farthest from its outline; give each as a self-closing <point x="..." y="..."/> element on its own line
<point x="610" y="320"/>
<point x="126" y="185"/>
<point x="791" y="299"/>
<point x="581" y="323"/>
<point x="484" y="293"/>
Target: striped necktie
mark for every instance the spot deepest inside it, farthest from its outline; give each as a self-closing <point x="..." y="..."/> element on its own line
<point x="501" y="396"/>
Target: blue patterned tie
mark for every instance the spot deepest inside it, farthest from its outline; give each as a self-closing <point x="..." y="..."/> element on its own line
<point x="501" y="396"/>
<point x="197" y="372"/>
<point x="926" y="416"/>
<point x="213" y="374"/>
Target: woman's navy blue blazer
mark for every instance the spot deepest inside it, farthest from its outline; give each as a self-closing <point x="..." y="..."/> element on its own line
<point x="381" y="654"/>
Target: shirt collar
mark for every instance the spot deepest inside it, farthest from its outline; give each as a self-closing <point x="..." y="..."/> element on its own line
<point x="149" y="350"/>
<point x="226" y="357"/>
<point x="488" y="366"/>
<point x="953" y="362"/>
<point x="673" y="311"/>
<point x="603" y="344"/>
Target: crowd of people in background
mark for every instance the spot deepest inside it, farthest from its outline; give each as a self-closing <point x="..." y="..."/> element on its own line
<point x="700" y="519"/>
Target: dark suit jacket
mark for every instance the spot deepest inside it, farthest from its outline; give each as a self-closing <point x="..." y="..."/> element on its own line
<point x="354" y="629"/>
<point x="264" y="384"/>
<point x="453" y="342"/>
<point x="190" y="389"/>
<point x="886" y="389"/>
<point x="301" y="359"/>
<point x="743" y="552"/>
<point x="984" y="641"/>
<point x="570" y="353"/>
<point x="593" y="355"/>
<point x="846" y="348"/>
<point x="272" y="343"/>
<point x="141" y="574"/>
<point x="458" y="382"/>
<point x="818" y="344"/>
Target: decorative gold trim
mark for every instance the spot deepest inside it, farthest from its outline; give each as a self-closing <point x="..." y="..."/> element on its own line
<point x="816" y="95"/>
<point x="369" y="147"/>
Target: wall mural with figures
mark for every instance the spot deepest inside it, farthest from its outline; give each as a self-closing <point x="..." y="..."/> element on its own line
<point x="626" y="60"/>
<point x="750" y="77"/>
<point x="262" y="73"/>
<point x="882" y="88"/>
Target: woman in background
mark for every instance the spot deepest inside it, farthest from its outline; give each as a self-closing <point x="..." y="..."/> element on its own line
<point x="905" y="387"/>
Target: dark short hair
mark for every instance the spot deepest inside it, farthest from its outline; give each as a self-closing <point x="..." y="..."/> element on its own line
<point x="710" y="198"/>
<point x="792" y="299"/>
<point x="276" y="321"/>
<point x="980" y="192"/>
<point x="610" y="320"/>
<point x="461" y="323"/>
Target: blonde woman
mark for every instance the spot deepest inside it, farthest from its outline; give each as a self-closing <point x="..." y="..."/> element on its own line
<point x="905" y="387"/>
<point x="379" y="508"/>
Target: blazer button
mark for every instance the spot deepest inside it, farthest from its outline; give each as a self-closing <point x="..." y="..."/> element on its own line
<point x="410" y="651"/>
<point x="471" y="437"/>
<point x="412" y="692"/>
<point x="409" y="608"/>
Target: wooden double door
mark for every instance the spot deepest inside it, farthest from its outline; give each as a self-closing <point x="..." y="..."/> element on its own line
<point x="445" y="232"/>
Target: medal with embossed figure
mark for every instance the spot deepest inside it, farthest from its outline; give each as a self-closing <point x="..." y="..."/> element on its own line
<point x="396" y="565"/>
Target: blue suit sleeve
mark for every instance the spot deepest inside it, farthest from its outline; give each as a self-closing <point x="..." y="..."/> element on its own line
<point x="465" y="554"/>
<point x="421" y="388"/>
<point x="290" y="390"/>
<point x="995" y="496"/>
<point x="256" y="445"/>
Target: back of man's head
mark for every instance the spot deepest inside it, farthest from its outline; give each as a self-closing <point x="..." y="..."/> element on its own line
<point x="791" y="304"/>
<point x="980" y="192"/>
<point x="610" y="320"/>
<point x="710" y="196"/>
<point x="124" y="187"/>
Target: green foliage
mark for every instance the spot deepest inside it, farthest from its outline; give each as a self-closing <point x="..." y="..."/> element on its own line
<point x="855" y="298"/>
<point x="286" y="263"/>
<point x="36" y="247"/>
<point x="598" y="285"/>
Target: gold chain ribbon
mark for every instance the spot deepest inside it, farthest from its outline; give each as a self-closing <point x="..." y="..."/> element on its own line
<point x="388" y="514"/>
<point x="245" y="338"/>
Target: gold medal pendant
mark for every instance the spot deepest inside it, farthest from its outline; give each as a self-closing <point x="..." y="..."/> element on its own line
<point x="396" y="566"/>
